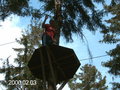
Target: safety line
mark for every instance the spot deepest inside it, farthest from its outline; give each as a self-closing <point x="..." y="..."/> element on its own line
<point x="94" y="57"/>
<point x="7" y="43"/>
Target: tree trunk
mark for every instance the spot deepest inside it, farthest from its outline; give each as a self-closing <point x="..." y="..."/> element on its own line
<point x="58" y="20"/>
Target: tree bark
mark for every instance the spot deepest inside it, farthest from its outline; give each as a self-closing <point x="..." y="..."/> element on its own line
<point x="58" y="20"/>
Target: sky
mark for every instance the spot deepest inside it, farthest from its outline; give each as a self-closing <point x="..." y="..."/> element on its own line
<point x="10" y="31"/>
<point x="12" y="27"/>
<point x="97" y="49"/>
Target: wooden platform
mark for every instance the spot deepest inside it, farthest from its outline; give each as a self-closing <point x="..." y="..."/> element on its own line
<point x="64" y="62"/>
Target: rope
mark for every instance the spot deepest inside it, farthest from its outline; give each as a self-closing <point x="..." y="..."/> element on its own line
<point x="7" y="43"/>
<point x="94" y="57"/>
<point x="80" y="60"/>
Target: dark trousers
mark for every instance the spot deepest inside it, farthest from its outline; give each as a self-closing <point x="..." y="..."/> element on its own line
<point x="46" y="40"/>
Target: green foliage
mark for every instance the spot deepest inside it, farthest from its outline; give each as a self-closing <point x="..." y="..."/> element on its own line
<point x="114" y="63"/>
<point x="89" y="79"/>
<point x="116" y="86"/>
<point x="79" y="13"/>
<point x="112" y="35"/>
<point x="50" y="5"/>
<point x="8" y="7"/>
<point x="74" y="15"/>
<point x="30" y="40"/>
<point x="110" y="38"/>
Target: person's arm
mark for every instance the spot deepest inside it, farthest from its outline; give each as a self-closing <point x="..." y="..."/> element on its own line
<point x="43" y="24"/>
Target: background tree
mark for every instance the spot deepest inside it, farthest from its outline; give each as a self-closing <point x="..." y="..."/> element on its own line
<point x="8" y="7"/>
<point x="75" y="14"/>
<point x="88" y="79"/>
<point x="71" y="16"/>
<point x="30" y="40"/>
<point x="112" y="36"/>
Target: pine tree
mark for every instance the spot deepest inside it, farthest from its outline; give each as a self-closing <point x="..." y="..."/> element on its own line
<point x="88" y="79"/>
<point x="116" y="86"/>
<point x="71" y="16"/>
<point x="30" y="40"/>
<point x="112" y="36"/>
<point x="19" y="7"/>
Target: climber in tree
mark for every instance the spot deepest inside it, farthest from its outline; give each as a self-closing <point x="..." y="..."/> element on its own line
<point x="48" y="37"/>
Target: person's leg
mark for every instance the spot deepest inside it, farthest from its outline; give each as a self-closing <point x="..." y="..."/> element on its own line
<point x="49" y="40"/>
<point x="44" y="39"/>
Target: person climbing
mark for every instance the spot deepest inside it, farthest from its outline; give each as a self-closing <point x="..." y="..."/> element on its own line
<point x="48" y="37"/>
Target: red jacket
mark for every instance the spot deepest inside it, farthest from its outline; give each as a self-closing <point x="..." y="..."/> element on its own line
<point x="49" y="30"/>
